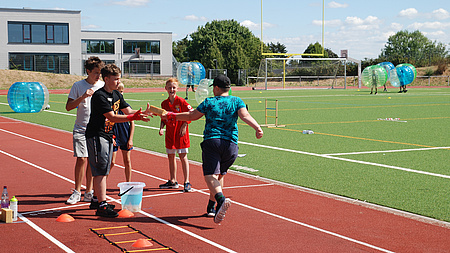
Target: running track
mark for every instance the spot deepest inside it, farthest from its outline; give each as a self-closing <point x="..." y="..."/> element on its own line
<point x="266" y="216"/>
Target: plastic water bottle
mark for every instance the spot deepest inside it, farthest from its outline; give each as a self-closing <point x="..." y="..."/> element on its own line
<point x="5" y="199"/>
<point x="14" y="207"/>
<point x="308" y="132"/>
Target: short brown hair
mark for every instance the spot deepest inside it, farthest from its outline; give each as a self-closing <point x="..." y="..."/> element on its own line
<point x="110" y="70"/>
<point x="93" y="62"/>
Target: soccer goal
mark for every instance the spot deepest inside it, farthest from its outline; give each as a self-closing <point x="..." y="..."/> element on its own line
<point x="283" y="73"/>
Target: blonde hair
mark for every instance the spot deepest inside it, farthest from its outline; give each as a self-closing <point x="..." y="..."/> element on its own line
<point x="172" y="80"/>
<point x="120" y="86"/>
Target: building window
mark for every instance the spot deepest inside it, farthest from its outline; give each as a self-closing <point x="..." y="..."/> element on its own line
<point x="146" y="47"/>
<point x="53" y="63"/>
<point x="97" y="46"/>
<point x="38" y="33"/>
<point x="142" y="67"/>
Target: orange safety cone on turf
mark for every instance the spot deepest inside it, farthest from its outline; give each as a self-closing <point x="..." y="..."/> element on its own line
<point x="65" y="218"/>
<point x="125" y="214"/>
<point x="141" y="243"/>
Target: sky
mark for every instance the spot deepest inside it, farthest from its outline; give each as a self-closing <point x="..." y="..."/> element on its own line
<point x="361" y="27"/>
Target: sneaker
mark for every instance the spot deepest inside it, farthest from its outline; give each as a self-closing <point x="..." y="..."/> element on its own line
<point x="169" y="185"/>
<point x="405" y="91"/>
<point x="74" y="198"/>
<point x="222" y="210"/>
<point x="88" y="196"/>
<point x="187" y="187"/>
<point x="376" y="93"/>
<point x="95" y="204"/>
<point x="106" y="211"/>
<point x="210" y="211"/>
<point x="400" y="91"/>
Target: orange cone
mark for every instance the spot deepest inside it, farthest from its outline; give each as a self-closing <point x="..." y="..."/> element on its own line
<point x="141" y="243"/>
<point x="124" y="213"/>
<point x="65" y="218"/>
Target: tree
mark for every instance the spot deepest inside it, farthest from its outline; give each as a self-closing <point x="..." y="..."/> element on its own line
<point x="414" y="48"/>
<point x="226" y="42"/>
<point x="179" y="50"/>
<point x="277" y="48"/>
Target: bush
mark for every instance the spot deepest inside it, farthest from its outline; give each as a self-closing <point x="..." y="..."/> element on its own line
<point x="442" y="66"/>
<point x="429" y="72"/>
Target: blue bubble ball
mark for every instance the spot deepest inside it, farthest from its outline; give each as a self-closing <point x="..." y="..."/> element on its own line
<point x="190" y="73"/>
<point x="28" y="97"/>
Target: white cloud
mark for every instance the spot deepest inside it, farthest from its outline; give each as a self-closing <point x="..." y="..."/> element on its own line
<point x="396" y="26"/>
<point x="132" y="3"/>
<point x="250" y="24"/>
<point x="434" y="34"/>
<point x="328" y="23"/>
<point x="440" y="14"/>
<point x="429" y="25"/>
<point x="195" y="18"/>
<point x="87" y="27"/>
<point x="356" y="23"/>
<point x="409" y="13"/>
<point x="334" y="5"/>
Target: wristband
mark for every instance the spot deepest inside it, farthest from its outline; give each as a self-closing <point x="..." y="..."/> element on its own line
<point x="135" y="116"/>
<point x="171" y="116"/>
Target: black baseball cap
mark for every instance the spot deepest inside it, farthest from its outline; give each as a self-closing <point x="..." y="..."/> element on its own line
<point x="222" y="81"/>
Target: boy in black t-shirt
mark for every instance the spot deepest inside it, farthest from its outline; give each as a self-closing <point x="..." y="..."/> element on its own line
<point x="105" y="104"/>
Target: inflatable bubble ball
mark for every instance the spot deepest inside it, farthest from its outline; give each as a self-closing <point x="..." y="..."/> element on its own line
<point x="27" y="97"/>
<point x="412" y="68"/>
<point x="388" y="66"/>
<point x="204" y="90"/>
<point x="405" y="74"/>
<point x="374" y="75"/>
<point x="393" y="78"/>
<point x="190" y="73"/>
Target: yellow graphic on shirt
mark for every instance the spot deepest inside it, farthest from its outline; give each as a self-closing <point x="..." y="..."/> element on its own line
<point x="108" y="124"/>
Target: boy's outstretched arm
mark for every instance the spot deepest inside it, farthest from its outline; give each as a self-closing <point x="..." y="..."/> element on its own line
<point x="247" y="118"/>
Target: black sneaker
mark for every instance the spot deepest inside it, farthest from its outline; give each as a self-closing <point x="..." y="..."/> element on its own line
<point x="222" y="210"/>
<point x="405" y="91"/>
<point x="169" y="185"/>
<point x="106" y="211"/>
<point x="94" y="205"/>
<point x="187" y="187"/>
<point x="210" y="211"/>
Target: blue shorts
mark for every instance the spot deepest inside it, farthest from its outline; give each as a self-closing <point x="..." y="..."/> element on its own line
<point x="100" y="154"/>
<point x="218" y="155"/>
<point x="123" y="147"/>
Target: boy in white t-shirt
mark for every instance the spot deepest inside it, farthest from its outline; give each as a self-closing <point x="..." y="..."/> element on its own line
<point x="80" y="98"/>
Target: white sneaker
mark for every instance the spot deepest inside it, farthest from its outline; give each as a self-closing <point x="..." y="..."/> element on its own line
<point x="88" y="196"/>
<point x="74" y="198"/>
<point x="220" y="214"/>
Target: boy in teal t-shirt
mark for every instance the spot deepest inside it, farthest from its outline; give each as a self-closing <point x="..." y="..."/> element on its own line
<point x="220" y="139"/>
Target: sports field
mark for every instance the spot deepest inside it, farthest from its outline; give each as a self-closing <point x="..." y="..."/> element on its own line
<point x="401" y="163"/>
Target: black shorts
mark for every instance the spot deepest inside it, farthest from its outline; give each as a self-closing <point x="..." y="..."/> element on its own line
<point x="218" y="155"/>
<point x="100" y="154"/>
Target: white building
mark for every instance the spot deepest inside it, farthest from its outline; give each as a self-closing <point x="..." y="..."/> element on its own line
<point x="52" y="41"/>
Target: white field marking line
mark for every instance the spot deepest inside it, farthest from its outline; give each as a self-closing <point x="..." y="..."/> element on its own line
<point x="187" y="232"/>
<point x="388" y="151"/>
<point x="307" y="225"/>
<point x="233" y="201"/>
<point x="45" y="234"/>
<point x="142" y="212"/>
<point x="347" y="160"/>
<point x="31" y="139"/>
<point x="37" y="166"/>
<point x="314" y="228"/>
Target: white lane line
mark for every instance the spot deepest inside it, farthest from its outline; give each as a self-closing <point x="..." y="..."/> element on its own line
<point x="388" y="151"/>
<point x="306" y="225"/>
<point x="244" y="205"/>
<point x="45" y="234"/>
<point x="348" y="160"/>
<point x="118" y="201"/>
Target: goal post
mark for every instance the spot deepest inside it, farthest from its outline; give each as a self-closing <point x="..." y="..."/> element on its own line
<point x="282" y="73"/>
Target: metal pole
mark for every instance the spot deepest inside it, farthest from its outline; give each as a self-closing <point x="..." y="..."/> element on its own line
<point x="266" y="77"/>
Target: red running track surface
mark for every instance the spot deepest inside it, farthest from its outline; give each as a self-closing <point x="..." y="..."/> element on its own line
<point x="37" y="166"/>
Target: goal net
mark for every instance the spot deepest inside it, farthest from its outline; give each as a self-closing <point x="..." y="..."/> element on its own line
<point x="277" y="73"/>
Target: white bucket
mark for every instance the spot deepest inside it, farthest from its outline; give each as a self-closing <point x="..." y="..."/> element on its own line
<point x="131" y="195"/>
